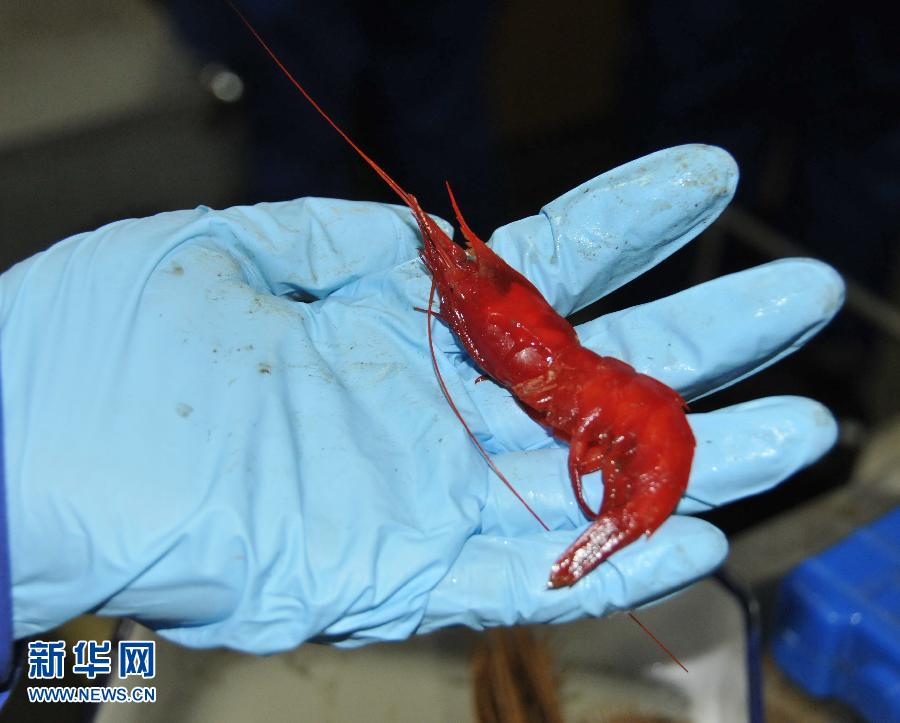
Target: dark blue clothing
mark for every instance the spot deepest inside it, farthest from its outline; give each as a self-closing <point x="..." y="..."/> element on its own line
<point x="6" y="635"/>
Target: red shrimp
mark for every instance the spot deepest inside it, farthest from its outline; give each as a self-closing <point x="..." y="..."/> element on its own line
<point x="628" y="425"/>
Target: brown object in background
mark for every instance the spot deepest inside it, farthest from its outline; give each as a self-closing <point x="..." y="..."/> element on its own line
<point x="513" y="678"/>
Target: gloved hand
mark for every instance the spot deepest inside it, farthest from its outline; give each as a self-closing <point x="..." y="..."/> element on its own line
<point x="190" y="445"/>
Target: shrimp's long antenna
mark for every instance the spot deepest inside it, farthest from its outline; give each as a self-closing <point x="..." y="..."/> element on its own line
<point x="395" y="187"/>
<point x="657" y="641"/>
<point x="425" y="223"/>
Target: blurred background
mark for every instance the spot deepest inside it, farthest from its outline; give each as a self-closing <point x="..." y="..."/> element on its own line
<point x="128" y="108"/>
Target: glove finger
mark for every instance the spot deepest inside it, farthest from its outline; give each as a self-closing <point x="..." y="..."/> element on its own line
<point x="741" y="451"/>
<point x="605" y="232"/>
<point x="503" y="580"/>
<point x="314" y="246"/>
<point x="750" y="448"/>
<point x="717" y="333"/>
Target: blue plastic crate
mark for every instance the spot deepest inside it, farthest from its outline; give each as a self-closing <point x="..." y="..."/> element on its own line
<point x="838" y="621"/>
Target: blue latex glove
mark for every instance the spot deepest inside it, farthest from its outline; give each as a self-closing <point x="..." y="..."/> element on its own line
<point x="189" y="446"/>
